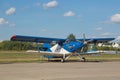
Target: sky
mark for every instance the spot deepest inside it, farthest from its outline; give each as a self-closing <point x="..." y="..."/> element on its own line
<point x="59" y="18"/>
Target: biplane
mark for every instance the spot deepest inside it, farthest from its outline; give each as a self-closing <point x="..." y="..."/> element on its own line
<point x="63" y="48"/>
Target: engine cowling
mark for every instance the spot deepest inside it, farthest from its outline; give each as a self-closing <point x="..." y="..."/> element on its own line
<point x="73" y="46"/>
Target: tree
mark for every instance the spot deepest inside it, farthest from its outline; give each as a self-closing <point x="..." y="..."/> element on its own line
<point x="11" y="45"/>
<point x="71" y="37"/>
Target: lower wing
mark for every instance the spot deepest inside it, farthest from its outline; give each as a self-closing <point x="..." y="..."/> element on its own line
<point x="45" y="53"/>
<point x="91" y="52"/>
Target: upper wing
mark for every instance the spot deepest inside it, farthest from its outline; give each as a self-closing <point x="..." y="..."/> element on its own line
<point x="35" y="39"/>
<point x="97" y="39"/>
<point x="58" y="40"/>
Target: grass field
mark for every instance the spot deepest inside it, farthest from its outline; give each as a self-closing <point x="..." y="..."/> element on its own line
<point x="18" y="56"/>
<point x="22" y="56"/>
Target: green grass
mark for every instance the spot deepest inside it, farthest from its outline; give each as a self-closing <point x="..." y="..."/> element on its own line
<point x="15" y="56"/>
<point x="22" y="56"/>
<point x="105" y="57"/>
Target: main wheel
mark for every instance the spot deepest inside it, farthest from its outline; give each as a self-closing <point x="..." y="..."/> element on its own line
<point x="62" y="60"/>
<point x="84" y="59"/>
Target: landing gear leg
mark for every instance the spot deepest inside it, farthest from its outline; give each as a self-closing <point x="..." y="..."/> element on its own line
<point x="83" y="58"/>
<point x="63" y="59"/>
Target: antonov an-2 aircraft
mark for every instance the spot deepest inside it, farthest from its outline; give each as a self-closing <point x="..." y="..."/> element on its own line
<point x="63" y="48"/>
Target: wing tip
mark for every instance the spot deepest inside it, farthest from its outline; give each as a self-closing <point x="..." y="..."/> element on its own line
<point x="13" y="38"/>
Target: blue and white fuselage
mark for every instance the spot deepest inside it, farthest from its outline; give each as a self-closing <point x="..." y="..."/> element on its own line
<point x="62" y="51"/>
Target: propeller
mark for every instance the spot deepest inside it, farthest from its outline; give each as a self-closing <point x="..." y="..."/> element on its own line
<point x="85" y="42"/>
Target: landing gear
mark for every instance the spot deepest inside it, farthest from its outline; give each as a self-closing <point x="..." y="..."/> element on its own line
<point x="83" y="58"/>
<point x="62" y="60"/>
<point x="64" y="57"/>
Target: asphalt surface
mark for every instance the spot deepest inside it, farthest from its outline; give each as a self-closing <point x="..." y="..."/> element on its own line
<point x="61" y="71"/>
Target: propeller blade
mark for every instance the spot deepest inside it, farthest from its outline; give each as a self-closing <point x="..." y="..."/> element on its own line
<point x="84" y="37"/>
<point x="84" y="40"/>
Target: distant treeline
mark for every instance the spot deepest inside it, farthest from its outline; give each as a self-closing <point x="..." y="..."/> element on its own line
<point x="10" y="45"/>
